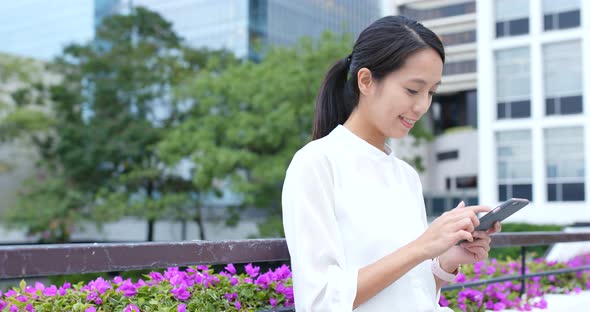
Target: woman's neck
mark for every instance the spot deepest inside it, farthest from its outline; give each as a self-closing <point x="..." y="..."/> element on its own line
<point x="363" y="129"/>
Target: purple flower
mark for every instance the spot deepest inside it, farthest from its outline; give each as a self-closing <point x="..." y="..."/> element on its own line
<point x="127" y="288"/>
<point x="22" y="298"/>
<point x="180" y="293"/>
<point x="273" y="302"/>
<point x="231" y="296"/>
<point x="181" y="308"/>
<point x="443" y="302"/>
<point x="238" y="305"/>
<point x="460" y="278"/>
<point x="117" y="280"/>
<point x="93" y="297"/>
<point x="50" y="291"/>
<point x="263" y="281"/>
<point x="3" y="304"/>
<point x="30" y="308"/>
<point x="156" y="276"/>
<point x="490" y="270"/>
<point x="11" y="293"/>
<point x="233" y="281"/>
<point x="499" y="306"/>
<point x="230" y="268"/>
<point x="203" y="267"/>
<point x="13" y="308"/>
<point x="90" y="309"/>
<point x="252" y="270"/>
<point x="131" y="308"/>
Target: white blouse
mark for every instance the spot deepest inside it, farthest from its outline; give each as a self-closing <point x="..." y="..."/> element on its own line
<point x="346" y="204"/>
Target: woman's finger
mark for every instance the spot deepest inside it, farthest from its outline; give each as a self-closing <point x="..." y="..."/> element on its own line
<point x="480" y="253"/>
<point x="496" y="228"/>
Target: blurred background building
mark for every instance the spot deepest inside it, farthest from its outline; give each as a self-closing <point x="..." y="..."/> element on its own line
<point x="246" y="27"/>
<point x="451" y="159"/>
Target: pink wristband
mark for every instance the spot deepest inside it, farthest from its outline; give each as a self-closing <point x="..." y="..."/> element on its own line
<point x="442" y="274"/>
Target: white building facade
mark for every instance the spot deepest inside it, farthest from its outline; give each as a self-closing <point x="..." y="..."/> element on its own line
<point x="534" y="116"/>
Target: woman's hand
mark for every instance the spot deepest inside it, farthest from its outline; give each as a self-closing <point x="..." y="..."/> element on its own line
<point x="448" y="229"/>
<point x="469" y="252"/>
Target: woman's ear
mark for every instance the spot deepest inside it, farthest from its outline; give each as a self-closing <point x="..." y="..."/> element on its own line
<point x="365" y="80"/>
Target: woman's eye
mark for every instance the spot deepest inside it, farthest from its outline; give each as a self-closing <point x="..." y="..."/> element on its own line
<point x="413" y="92"/>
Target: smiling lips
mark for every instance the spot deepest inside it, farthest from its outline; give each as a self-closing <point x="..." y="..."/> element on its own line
<point x="407" y="122"/>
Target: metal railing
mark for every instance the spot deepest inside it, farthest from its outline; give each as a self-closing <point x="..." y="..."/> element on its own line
<point x="20" y="261"/>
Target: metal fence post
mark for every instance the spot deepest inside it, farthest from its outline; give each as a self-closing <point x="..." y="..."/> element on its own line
<point x="522" y="270"/>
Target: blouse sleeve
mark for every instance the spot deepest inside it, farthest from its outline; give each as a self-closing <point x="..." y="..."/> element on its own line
<point x="321" y="279"/>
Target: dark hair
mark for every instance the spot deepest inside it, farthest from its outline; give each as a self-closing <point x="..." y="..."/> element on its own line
<point x="382" y="48"/>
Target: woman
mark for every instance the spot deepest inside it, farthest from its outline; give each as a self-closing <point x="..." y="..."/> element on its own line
<point x="353" y="213"/>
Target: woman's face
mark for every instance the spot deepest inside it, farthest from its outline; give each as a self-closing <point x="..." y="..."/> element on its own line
<point x="394" y="104"/>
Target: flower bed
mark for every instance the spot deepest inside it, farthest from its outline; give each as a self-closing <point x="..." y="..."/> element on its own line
<point x="193" y="289"/>
<point x="506" y="295"/>
<point x="200" y="289"/>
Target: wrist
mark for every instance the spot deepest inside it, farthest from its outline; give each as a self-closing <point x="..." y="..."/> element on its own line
<point x="418" y="251"/>
<point x="447" y="264"/>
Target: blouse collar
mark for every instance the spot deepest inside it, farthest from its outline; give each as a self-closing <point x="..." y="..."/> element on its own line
<point x="363" y="145"/>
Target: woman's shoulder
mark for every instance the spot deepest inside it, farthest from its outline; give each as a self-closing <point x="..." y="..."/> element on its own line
<point x="316" y="152"/>
<point x="407" y="169"/>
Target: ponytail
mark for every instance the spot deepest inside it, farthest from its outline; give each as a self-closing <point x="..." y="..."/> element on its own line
<point x="334" y="103"/>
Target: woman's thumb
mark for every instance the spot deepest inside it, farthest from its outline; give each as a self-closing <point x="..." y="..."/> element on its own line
<point x="461" y="205"/>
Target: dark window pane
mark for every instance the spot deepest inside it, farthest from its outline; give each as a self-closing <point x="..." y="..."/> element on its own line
<point x="571" y="105"/>
<point x="569" y="19"/>
<point x="501" y="110"/>
<point x="573" y="191"/>
<point x="470" y="201"/>
<point x="522" y="191"/>
<point x="500" y="29"/>
<point x="502" y="192"/>
<point x="519" y="26"/>
<point x="448" y="183"/>
<point x="466" y="182"/>
<point x="520" y="109"/>
<point x="552" y="192"/>
<point x="550" y="106"/>
<point x="447" y="155"/>
<point x="438" y="206"/>
<point x="548" y="22"/>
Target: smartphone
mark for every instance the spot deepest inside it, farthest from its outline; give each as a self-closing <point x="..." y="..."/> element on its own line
<point x="503" y="211"/>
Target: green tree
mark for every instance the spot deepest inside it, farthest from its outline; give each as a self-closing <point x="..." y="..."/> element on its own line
<point x="24" y="99"/>
<point x="248" y="121"/>
<point x="113" y="106"/>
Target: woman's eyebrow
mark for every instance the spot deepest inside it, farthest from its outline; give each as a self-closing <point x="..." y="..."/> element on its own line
<point x="421" y="81"/>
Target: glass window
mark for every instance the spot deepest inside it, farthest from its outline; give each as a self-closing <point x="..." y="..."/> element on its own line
<point x="561" y="14"/>
<point x="565" y="170"/>
<point x="513" y="83"/>
<point x="514" y="164"/>
<point x="420" y="14"/>
<point x="563" y="78"/>
<point x="512" y="17"/>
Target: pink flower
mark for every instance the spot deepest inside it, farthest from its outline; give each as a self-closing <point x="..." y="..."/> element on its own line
<point x="181" y="308"/>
